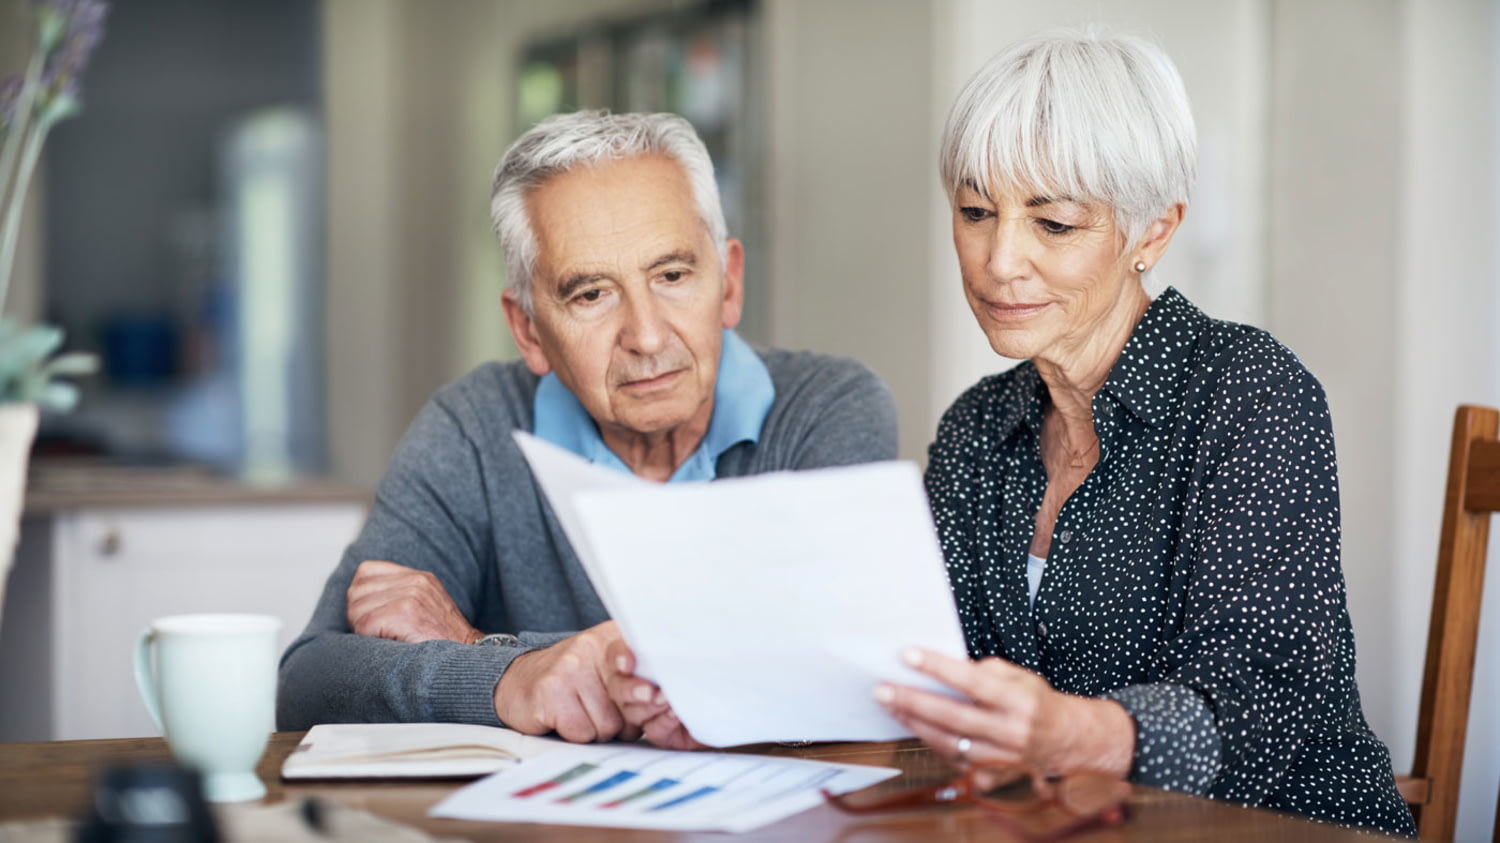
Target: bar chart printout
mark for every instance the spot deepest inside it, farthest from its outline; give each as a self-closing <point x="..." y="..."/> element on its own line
<point x="631" y="787"/>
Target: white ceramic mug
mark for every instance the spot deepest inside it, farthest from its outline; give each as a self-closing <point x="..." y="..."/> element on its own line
<point x="212" y="692"/>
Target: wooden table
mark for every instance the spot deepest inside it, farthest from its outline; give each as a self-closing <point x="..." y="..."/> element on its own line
<point x="53" y="779"/>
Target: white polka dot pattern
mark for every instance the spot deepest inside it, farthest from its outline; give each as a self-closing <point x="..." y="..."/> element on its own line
<point x="1200" y="585"/>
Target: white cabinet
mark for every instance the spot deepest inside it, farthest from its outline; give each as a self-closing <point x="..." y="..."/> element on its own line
<point x="87" y="580"/>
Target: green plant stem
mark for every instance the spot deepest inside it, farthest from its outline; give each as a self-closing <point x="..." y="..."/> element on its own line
<point x="19" y="135"/>
<point x="24" y="105"/>
<point x="10" y="231"/>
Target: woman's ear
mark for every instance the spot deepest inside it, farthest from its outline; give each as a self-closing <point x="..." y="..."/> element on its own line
<point x="1159" y="234"/>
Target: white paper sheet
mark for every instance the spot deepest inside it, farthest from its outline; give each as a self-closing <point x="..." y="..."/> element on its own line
<point x="630" y="787"/>
<point x="765" y="607"/>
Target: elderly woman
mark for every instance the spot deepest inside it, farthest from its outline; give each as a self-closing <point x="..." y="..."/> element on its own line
<point x="1141" y="521"/>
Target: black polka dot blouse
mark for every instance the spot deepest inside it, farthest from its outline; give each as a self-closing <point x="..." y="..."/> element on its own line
<point x="1194" y="576"/>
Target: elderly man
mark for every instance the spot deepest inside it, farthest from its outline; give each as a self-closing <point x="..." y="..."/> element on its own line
<point x="461" y="599"/>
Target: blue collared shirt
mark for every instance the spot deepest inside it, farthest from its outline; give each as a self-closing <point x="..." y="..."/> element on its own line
<point x="743" y="394"/>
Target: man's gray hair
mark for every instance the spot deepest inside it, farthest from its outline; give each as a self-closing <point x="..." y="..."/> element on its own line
<point x="584" y="139"/>
<point x="1088" y="115"/>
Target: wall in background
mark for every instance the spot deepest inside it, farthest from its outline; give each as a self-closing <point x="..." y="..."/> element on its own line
<point x="852" y="189"/>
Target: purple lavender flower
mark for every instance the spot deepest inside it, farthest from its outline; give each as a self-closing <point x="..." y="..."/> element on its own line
<point x="61" y="20"/>
<point x="74" y="28"/>
<point x="10" y="91"/>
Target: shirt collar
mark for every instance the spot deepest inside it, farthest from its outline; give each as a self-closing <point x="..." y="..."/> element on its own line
<point x="1152" y="371"/>
<point x="1022" y="403"/>
<point x="1147" y="379"/>
<point x="743" y="395"/>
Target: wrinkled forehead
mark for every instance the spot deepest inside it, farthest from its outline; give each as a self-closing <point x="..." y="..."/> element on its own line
<point x="649" y="182"/>
<point x="627" y="212"/>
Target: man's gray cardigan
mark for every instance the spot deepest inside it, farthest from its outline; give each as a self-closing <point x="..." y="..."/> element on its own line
<point x="458" y="500"/>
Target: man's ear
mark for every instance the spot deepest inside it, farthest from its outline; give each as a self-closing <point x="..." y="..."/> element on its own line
<point x="1159" y="234"/>
<point x="523" y="330"/>
<point x="734" y="282"/>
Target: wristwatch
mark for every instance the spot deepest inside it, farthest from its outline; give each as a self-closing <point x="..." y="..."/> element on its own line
<point x="499" y="639"/>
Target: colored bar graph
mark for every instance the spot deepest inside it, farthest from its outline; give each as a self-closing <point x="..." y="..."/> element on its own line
<point x="598" y="787"/>
<point x="556" y="781"/>
<point x="650" y="790"/>
<point x="673" y="803"/>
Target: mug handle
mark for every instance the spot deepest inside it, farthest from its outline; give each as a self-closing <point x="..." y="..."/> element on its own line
<point x="144" y="681"/>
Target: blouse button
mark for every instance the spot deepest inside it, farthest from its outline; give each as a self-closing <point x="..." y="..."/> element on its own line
<point x="1041" y="628"/>
<point x="1067" y="536"/>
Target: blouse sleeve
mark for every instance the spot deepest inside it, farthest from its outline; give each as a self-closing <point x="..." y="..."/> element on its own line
<point x="1263" y="630"/>
<point x="949" y="485"/>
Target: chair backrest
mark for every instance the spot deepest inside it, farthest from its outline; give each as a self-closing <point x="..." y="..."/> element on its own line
<point x="1453" y="632"/>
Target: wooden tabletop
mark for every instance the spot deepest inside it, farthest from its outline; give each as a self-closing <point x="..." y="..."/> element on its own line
<point x="53" y="779"/>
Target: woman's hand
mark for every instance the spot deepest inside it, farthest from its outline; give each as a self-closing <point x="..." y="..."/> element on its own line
<point x="1011" y="717"/>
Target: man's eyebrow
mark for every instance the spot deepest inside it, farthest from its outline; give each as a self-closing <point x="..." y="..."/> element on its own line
<point x="574" y="283"/>
<point x="687" y="257"/>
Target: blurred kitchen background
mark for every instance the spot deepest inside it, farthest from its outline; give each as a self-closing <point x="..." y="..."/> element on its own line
<point x="271" y="221"/>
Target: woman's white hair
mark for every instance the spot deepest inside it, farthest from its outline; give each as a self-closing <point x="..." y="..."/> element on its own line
<point x="1088" y="115"/>
<point x="584" y="139"/>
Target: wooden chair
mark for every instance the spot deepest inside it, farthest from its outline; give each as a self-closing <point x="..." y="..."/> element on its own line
<point x="1473" y="494"/>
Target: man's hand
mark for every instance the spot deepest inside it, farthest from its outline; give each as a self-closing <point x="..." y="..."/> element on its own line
<point x="387" y="600"/>
<point x="642" y="704"/>
<point x="564" y="688"/>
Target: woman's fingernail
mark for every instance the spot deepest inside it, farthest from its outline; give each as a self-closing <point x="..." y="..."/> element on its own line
<point x="661" y="698"/>
<point x="620" y="664"/>
<point x="913" y="656"/>
<point x="642" y="693"/>
<point x="885" y="694"/>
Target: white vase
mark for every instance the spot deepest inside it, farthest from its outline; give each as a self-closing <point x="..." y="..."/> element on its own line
<point x="17" y="429"/>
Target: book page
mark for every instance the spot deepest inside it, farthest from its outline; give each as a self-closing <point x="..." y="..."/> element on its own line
<point x="409" y="750"/>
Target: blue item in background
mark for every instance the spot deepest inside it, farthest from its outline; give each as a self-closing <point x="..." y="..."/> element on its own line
<point x="140" y="349"/>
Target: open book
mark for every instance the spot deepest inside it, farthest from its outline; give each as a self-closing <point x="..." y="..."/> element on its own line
<point x="408" y="750"/>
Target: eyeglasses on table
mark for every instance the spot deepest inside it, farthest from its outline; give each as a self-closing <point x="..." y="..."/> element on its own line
<point x="1050" y="808"/>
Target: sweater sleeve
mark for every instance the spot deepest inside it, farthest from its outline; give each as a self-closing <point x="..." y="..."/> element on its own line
<point x="1263" y="629"/>
<point x="429" y="513"/>
<point x="834" y="412"/>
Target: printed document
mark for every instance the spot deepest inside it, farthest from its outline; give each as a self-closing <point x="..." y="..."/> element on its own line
<point x="630" y="787"/>
<point x="766" y="607"/>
